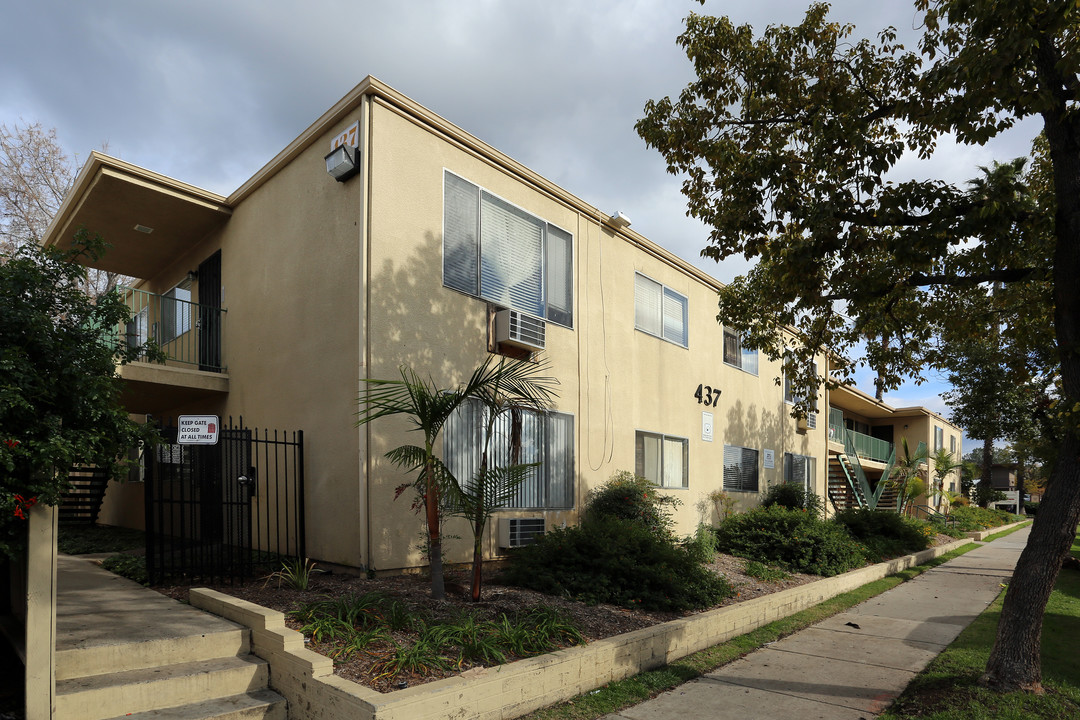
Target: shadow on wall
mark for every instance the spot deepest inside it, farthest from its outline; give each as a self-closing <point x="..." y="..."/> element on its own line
<point x="746" y="427"/>
<point x="414" y="321"/>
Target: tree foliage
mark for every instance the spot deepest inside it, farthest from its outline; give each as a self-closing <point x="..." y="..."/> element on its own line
<point x="789" y="145"/>
<point x="59" y="393"/>
<point x="35" y="176"/>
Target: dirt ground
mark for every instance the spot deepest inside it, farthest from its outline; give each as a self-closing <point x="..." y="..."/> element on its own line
<point x="594" y="621"/>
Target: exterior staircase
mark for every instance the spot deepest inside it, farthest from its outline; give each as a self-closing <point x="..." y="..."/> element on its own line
<point x="124" y="651"/>
<point x="843" y="494"/>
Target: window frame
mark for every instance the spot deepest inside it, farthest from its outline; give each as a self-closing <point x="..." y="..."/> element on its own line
<point x="639" y="461"/>
<point x="939" y="438"/>
<point x="553" y="312"/>
<point x="742" y="485"/>
<point x="176" y="313"/>
<point x="551" y="456"/>
<point x="811" y="465"/>
<point x="789" y="398"/>
<point x="666" y="294"/>
<point x="742" y="352"/>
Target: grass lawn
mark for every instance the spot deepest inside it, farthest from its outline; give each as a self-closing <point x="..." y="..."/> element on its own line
<point x="948" y="689"/>
<point x="623" y="693"/>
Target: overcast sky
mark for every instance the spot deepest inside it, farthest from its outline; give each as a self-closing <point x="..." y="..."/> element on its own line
<point x="209" y="91"/>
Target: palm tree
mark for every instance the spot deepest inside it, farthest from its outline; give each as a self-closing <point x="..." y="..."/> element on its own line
<point x="428" y="408"/>
<point x="943" y="465"/>
<point x="905" y="470"/>
<point x="506" y="388"/>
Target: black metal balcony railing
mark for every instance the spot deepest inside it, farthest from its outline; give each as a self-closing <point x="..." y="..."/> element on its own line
<point x="186" y="332"/>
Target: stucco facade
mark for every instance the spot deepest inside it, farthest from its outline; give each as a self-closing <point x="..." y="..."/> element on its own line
<point x="324" y="284"/>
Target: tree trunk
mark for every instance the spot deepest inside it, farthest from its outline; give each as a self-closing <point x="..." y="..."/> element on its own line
<point x="431" y="506"/>
<point x="986" y="482"/>
<point x="1014" y="660"/>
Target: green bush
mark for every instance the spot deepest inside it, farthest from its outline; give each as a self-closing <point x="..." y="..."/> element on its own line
<point x="1031" y="508"/>
<point x="886" y="534"/>
<point x="974" y="518"/>
<point x="794" y="497"/>
<point x="793" y="539"/>
<point x="631" y="497"/>
<point x="702" y="544"/>
<point x="618" y="561"/>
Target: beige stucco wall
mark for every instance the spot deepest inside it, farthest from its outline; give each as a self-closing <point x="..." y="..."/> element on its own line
<point x="614" y="379"/>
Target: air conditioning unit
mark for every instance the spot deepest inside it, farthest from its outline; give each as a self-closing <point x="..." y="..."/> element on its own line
<point x="520" y="330"/>
<point x="807" y="423"/>
<point x="516" y="532"/>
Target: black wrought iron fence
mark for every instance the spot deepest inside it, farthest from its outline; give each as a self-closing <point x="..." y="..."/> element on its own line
<point x="226" y="512"/>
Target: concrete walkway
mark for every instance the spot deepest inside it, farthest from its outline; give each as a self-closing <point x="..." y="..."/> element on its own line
<point x="852" y="665"/>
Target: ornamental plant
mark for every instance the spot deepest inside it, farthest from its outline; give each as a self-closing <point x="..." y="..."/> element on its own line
<point x="631" y="497"/>
<point x="59" y="392"/>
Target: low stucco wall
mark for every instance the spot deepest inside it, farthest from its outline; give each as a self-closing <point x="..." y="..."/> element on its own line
<point x="981" y="535"/>
<point x="306" y="679"/>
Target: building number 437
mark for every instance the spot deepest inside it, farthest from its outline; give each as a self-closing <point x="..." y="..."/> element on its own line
<point x="707" y="396"/>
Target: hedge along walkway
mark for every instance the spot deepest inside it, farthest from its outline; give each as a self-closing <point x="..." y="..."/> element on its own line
<point x="513" y="690"/>
<point x="854" y="663"/>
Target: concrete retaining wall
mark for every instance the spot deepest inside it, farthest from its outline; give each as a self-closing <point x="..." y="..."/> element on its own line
<point x="307" y="679"/>
<point x="983" y="534"/>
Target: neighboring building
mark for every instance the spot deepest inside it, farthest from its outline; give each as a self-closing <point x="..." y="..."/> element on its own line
<point x="275" y="302"/>
<point x="1003" y="476"/>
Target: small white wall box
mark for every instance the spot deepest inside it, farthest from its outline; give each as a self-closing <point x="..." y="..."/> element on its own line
<point x="520" y="330"/>
<point x="516" y="532"/>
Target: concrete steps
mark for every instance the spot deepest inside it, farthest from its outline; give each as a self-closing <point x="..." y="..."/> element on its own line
<point x="259" y="705"/>
<point x="124" y="651"/>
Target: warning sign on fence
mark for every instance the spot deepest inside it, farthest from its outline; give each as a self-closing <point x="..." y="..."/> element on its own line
<point x="197" y="430"/>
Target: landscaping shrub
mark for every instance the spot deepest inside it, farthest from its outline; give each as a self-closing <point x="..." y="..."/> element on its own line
<point x="793" y="539"/>
<point x="974" y="518"/>
<point x="794" y="497"/>
<point x="702" y="544"/>
<point x="613" y="560"/>
<point x="1031" y="508"/>
<point x="886" y="534"/>
<point x="631" y="497"/>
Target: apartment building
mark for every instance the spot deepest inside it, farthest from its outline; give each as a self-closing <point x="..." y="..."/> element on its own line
<point x="385" y="236"/>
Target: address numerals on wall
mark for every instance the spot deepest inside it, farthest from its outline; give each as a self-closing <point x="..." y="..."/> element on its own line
<point x="707" y="396"/>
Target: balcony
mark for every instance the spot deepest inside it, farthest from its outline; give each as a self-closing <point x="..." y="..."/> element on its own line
<point x="868" y="448"/>
<point x="189" y="334"/>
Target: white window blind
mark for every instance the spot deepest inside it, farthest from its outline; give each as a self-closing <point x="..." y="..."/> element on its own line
<point x="499" y="252"/>
<point x="659" y="310"/>
<point x="461" y="243"/>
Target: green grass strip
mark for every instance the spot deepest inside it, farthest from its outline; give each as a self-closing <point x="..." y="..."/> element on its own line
<point x="948" y="689"/>
<point x="1010" y="531"/>
<point x="630" y="691"/>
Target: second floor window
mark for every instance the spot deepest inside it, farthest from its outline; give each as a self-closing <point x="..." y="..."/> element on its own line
<point x="659" y="310"/>
<point x="735" y="354"/>
<point x="497" y="251"/>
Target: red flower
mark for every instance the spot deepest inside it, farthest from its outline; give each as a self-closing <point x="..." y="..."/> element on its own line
<point x="11" y="443"/>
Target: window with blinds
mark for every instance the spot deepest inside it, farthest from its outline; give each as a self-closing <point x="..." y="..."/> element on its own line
<point x="740" y="469"/>
<point x="662" y="459"/>
<point x="659" y="310"/>
<point x="546" y="438"/>
<point x="799" y="469"/>
<point x="735" y="354"/>
<point x="939" y="438"/>
<point x="789" y="395"/>
<point x="499" y="252"/>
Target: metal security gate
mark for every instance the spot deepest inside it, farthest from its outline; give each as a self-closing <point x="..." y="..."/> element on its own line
<point x="223" y="513"/>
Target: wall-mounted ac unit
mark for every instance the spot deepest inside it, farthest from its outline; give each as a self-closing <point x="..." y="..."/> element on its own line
<point x="520" y="330"/>
<point x="807" y="423"/>
<point x="515" y="532"/>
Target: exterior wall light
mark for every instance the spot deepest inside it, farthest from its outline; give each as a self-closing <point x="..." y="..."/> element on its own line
<point x="619" y="220"/>
<point x="342" y="163"/>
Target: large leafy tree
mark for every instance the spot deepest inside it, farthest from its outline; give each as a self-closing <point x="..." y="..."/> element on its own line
<point x="789" y="143"/>
<point x="59" y="393"/>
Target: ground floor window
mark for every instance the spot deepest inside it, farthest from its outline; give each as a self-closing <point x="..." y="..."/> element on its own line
<point x="520" y="436"/>
<point x="662" y="459"/>
<point x="799" y="469"/>
<point x="740" y="469"/>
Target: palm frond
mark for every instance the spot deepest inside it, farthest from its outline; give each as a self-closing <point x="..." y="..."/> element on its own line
<point x="488" y="491"/>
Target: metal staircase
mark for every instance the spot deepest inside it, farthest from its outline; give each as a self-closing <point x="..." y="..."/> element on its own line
<point x="848" y="486"/>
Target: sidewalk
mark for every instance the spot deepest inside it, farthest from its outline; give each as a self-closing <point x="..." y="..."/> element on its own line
<point x="852" y="665"/>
